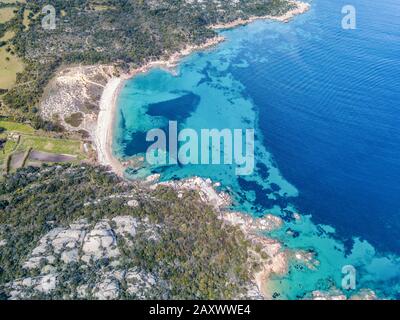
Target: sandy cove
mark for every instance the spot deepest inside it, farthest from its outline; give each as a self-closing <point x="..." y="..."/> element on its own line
<point x="105" y="122"/>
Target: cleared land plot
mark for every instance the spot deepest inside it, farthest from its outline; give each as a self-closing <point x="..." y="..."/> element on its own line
<point x="10" y="65"/>
<point x="16" y="160"/>
<point x="16" y="127"/>
<point x="45" y="144"/>
<point x="50" y="157"/>
<point x="6" y="14"/>
<point x="12" y="1"/>
<point x="43" y="149"/>
<point x="8" y="35"/>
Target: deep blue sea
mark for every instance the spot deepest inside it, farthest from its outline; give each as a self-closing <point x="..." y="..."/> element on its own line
<point x="325" y="104"/>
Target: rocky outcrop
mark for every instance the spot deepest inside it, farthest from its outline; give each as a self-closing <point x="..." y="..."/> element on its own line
<point x="251" y="225"/>
<point x="44" y="284"/>
<point x="336" y="294"/>
<point x="268" y="253"/>
<point x="84" y="244"/>
<point x="100" y="243"/>
<point x="264" y="251"/>
<point x="205" y="187"/>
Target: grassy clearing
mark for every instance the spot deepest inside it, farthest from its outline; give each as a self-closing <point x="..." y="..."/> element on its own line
<point x="8" y="36"/>
<point x="26" y="21"/>
<point x="6" y="14"/>
<point x="12" y="1"/>
<point x="24" y="139"/>
<point x="5" y="154"/>
<point x="8" y="148"/>
<point x="10" y="65"/>
<point x="51" y="145"/>
<point x="16" y="127"/>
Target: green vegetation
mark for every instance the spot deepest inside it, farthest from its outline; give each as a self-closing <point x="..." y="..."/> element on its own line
<point x="16" y="127"/>
<point x="75" y="119"/>
<point x="45" y="144"/>
<point x="196" y="255"/>
<point x="10" y="63"/>
<point x="9" y="147"/>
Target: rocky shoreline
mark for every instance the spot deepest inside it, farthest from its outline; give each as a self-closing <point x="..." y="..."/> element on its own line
<point x="270" y="254"/>
<point x="300" y="8"/>
<point x="267" y="252"/>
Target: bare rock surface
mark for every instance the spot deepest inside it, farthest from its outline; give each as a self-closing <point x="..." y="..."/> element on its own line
<point x="205" y="188"/>
<point x="337" y="294"/>
<point x="83" y="244"/>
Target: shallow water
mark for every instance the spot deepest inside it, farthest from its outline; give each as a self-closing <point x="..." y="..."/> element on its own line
<point x="325" y="105"/>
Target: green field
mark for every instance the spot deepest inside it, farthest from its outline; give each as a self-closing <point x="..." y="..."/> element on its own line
<point x="16" y="127"/>
<point x="10" y="65"/>
<point x="26" y="22"/>
<point x="8" y="35"/>
<point x="23" y="138"/>
<point x="51" y="145"/>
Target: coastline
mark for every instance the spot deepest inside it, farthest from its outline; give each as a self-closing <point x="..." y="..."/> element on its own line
<point x="105" y="123"/>
<point x="104" y="139"/>
<point x="301" y="7"/>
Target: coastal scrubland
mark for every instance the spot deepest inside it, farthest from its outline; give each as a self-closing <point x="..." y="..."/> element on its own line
<point x="177" y="241"/>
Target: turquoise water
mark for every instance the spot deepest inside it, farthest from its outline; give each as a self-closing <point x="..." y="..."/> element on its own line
<point x="324" y="103"/>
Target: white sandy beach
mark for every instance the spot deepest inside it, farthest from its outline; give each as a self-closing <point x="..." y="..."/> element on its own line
<point x="105" y="124"/>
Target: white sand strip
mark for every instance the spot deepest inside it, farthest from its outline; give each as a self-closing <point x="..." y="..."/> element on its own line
<point x="105" y="124"/>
